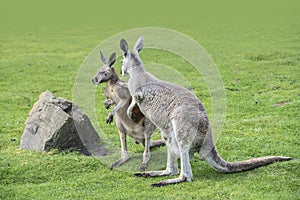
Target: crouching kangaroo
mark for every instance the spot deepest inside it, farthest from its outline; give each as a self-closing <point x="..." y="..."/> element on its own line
<point x="182" y="120"/>
<point x="117" y="93"/>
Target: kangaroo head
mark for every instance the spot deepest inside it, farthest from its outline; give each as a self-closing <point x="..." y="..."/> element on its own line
<point x="131" y="60"/>
<point x="106" y="72"/>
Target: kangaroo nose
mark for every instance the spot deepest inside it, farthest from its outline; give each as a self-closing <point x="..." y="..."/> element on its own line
<point x="94" y="80"/>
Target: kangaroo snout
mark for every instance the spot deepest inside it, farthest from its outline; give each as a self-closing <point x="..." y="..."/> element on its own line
<point x="95" y="81"/>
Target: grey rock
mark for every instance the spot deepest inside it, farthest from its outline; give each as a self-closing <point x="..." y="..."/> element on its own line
<point x="58" y="123"/>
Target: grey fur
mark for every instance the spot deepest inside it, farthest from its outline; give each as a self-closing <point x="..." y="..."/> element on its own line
<point x="117" y="93"/>
<point x="103" y="57"/>
<point x="182" y="120"/>
<point x="139" y="45"/>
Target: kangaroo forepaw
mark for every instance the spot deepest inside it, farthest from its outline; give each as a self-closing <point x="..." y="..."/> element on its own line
<point x="108" y="103"/>
<point x="132" y="117"/>
<point x="107" y="106"/>
<point x="109" y="119"/>
<point x="138" y="96"/>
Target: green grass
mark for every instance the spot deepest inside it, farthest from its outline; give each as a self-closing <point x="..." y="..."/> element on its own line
<point x="254" y="44"/>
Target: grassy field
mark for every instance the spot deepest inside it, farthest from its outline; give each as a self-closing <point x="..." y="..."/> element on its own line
<point x="255" y="45"/>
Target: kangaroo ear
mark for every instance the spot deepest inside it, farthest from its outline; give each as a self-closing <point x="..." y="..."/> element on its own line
<point x="139" y="44"/>
<point x="112" y="59"/>
<point x="102" y="57"/>
<point x="124" y="46"/>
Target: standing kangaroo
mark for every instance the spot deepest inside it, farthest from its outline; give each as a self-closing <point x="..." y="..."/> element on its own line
<point x="117" y="93"/>
<point x="182" y="120"/>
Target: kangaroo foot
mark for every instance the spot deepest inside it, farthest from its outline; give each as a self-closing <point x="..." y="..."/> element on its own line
<point x="153" y="174"/>
<point x="119" y="163"/>
<point x="169" y="182"/>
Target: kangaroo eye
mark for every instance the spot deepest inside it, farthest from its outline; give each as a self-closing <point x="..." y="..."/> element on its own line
<point x="125" y="54"/>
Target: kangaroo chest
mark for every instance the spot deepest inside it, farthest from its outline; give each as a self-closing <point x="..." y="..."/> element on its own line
<point x="110" y="93"/>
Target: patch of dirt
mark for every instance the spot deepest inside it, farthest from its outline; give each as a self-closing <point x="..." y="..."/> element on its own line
<point x="280" y="103"/>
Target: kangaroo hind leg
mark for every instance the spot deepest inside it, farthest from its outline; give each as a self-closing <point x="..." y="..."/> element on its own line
<point x="185" y="174"/>
<point x="172" y="168"/>
<point x="146" y="154"/>
<point x="180" y="145"/>
<point x="124" y="151"/>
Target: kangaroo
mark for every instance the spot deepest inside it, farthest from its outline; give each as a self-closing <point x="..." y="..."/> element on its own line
<point x="182" y="119"/>
<point x="117" y="93"/>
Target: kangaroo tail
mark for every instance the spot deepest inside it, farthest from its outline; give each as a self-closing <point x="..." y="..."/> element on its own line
<point x="216" y="161"/>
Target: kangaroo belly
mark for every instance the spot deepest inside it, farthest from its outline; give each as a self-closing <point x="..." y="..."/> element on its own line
<point x="125" y="125"/>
